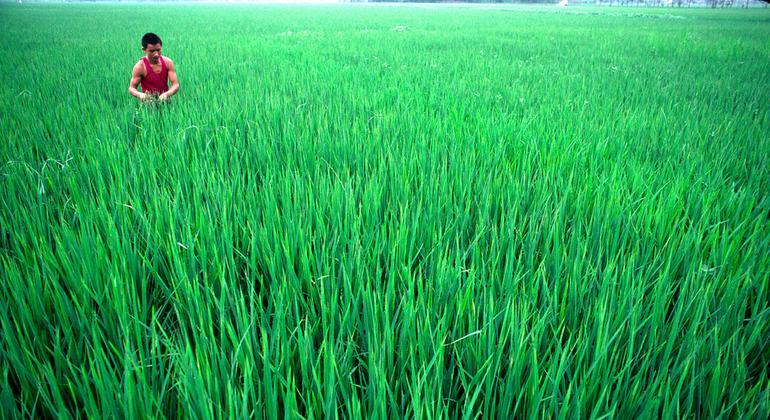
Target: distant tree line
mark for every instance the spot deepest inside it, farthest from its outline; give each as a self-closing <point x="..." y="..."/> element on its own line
<point x="651" y="3"/>
<point x="639" y="3"/>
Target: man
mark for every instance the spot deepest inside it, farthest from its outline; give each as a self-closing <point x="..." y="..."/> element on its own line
<point x="153" y="72"/>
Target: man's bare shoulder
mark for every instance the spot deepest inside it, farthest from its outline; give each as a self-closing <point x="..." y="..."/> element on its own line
<point x="139" y="68"/>
<point x="169" y="62"/>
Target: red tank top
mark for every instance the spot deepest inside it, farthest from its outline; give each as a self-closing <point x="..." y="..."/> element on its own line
<point x="155" y="82"/>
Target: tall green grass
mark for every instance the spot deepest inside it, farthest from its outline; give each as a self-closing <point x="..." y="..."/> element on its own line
<point x="379" y="212"/>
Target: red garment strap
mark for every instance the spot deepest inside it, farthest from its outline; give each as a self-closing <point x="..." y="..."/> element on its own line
<point x="147" y="65"/>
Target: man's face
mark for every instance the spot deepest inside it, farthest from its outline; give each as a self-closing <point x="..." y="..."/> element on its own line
<point x="153" y="52"/>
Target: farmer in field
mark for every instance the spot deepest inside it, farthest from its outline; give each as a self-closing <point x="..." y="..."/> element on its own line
<point x="153" y="72"/>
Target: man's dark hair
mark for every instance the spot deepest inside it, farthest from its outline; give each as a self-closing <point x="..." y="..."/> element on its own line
<point x="150" y="38"/>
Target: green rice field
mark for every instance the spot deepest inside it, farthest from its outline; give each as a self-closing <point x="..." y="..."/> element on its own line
<point x="377" y="212"/>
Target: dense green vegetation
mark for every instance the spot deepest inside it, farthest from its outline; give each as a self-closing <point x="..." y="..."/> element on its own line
<point x="386" y="211"/>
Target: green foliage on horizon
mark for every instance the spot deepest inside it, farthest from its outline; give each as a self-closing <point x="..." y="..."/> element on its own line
<point x="385" y="212"/>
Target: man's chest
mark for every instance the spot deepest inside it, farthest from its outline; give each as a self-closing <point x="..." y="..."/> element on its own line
<point x="155" y="68"/>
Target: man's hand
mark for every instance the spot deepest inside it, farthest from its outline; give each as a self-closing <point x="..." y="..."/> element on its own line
<point x="163" y="97"/>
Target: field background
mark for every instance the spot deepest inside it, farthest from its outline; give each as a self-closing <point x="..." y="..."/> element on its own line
<point x="386" y="211"/>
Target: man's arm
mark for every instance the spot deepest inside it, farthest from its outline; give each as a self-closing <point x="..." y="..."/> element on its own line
<point x="173" y="79"/>
<point x="136" y="78"/>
